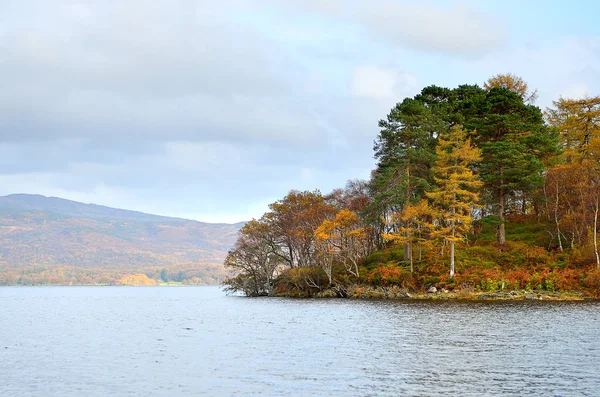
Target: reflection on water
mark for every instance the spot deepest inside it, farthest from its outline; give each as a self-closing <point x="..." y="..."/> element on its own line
<point x="97" y="341"/>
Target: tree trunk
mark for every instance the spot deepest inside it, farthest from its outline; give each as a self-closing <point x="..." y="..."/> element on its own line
<point x="560" y="247"/>
<point x="411" y="257"/>
<point x="451" y="259"/>
<point x="328" y="271"/>
<point x="452" y="242"/>
<point x="596" y="235"/>
<point x="501" y="231"/>
<point x="408" y="245"/>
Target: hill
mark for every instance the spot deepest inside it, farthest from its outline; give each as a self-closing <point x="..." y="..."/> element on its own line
<point x="56" y="241"/>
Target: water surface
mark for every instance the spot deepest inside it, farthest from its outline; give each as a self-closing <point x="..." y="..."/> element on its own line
<point x="128" y="341"/>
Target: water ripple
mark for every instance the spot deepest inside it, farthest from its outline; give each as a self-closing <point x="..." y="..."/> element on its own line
<point x="73" y="341"/>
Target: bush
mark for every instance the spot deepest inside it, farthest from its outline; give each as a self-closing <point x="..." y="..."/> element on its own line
<point x="389" y="274"/>
<point x="517" y="279"/>
<point x="301" y="281"/>
<point x="592" y="279"/>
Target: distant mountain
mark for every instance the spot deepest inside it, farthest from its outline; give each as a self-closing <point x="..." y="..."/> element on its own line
<point x="44" y="233"/>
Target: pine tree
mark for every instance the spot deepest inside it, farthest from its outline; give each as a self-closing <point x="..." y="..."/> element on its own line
<point x="456" y="191"/>
<point x="515" y="142"/>
<point x="405" y="153"/>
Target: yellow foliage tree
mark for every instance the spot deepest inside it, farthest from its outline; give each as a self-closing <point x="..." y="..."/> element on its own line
<point x="137" y="280"/>
<point x="578" y="122"/>
<point x="415" y="221"/>
<point x="456" y="193"/>
<point x="513" y="83"/>
<point x="344" y="239"/>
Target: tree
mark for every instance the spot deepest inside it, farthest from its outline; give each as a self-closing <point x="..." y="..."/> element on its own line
<point x="255" y="259"/>
<point x="513" y="83"/>
<point x="515" y="142"/>
<point x="345" y="240"/>
<point x="456" y="191"/>
<point x="576" y="183"/>
<point x="415" y="219"/>
<point x="293" y="221"/>
<point x="405" y="152"/>
<point x="163" y="275"/>
<point x="134" y="279"/>
<point x="578" y="123"/>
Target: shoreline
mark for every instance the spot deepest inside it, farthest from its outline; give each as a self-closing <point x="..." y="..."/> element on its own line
<point x="362" y="292"/>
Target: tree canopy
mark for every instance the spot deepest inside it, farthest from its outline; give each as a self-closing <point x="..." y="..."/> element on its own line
<point x="453" y="164"/>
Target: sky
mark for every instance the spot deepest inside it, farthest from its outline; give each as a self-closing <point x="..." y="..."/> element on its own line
<point x="211" y="110"/>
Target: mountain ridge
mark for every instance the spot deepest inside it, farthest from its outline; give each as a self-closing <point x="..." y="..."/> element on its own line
<point x="40" y="234"/>
<point x="59" y="205"/>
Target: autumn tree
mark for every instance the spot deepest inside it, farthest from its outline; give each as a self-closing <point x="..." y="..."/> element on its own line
<point x="343" y="240"/>
<point x="578" y="123"/>
<point x="513" y="83"/>
<point x="135" y="279"/>
<point x="457" y="187"/>
<point x="255" y="259"/>
<point x="574" y="185"/>
<point x="414" y="221"/>
<point x="293" y="221"/>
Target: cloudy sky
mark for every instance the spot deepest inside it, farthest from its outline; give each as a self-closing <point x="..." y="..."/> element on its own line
<point x="210" y="110"/>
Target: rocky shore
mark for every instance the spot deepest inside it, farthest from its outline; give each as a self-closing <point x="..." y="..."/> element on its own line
<point x="394" y="292"/>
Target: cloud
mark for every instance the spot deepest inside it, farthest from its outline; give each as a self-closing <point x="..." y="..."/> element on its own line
<point x="327" y="7"/>
<point x="373" y="82"/>
<point x="458" y="30"/>
<point x="133" y="69"/>
<point x="379" y="83"/>
<point x="564" y="66"/>
<point x="215" y="109"/>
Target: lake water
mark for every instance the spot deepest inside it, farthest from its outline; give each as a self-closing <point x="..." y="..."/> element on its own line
<point x="127" y="341"/>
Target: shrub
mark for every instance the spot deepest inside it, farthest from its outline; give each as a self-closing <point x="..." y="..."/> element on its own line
<point x="551" y="282"/>
<point x="389" y="274"/>
<point x="301" y="281"/>
<point x="592" y="279"/>
<point x="517" y="279"/>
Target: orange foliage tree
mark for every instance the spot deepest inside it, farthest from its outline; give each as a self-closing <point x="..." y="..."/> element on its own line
<point x="343" y="239"/>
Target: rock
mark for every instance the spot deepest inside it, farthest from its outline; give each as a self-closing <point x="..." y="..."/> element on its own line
<point x="328" y="293"/>
<point x="444" y="290"/>
<point x="432" y="290"/>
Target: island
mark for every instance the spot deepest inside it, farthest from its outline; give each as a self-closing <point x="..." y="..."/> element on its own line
<point x="477" y="193"/>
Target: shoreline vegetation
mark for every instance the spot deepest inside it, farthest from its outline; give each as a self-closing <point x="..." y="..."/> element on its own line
<point x="189" y="273"/>
<point x="477" y="194"/>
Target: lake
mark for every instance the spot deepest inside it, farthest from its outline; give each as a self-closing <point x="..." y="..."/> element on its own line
<point x="195" y="341"/>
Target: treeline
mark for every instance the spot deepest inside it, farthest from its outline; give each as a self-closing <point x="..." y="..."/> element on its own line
<point x="184" y="273"/>
<point x="452" y="165"/>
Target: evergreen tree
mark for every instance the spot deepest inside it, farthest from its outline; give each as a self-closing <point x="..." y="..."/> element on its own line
<point x="405" y="153"/>
<point x="514" y="141"/>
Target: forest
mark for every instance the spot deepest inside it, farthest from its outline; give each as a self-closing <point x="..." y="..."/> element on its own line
<point x="475" y="190"/>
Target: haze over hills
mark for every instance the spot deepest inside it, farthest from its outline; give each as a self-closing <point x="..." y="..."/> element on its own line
<point x="40" y="234"/>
